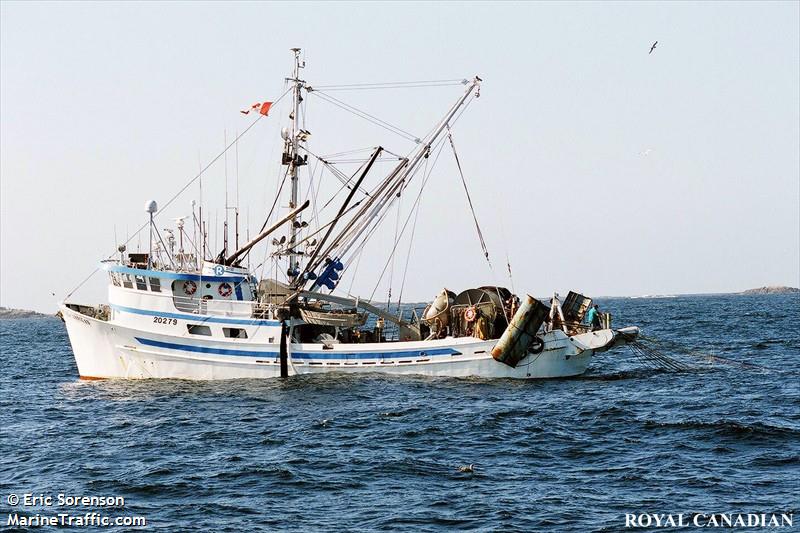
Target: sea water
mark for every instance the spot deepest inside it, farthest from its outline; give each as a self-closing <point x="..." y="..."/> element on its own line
<point x="372" y="452"/>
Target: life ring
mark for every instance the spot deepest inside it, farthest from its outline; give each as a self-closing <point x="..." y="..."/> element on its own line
<point x="470" y="314"/>
<point x="537" y="346"/>
<point x="225" y="289"/>
<point x="189" y="287"/>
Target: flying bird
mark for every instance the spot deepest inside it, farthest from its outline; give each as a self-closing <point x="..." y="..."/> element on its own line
<point x="652" y="48"/>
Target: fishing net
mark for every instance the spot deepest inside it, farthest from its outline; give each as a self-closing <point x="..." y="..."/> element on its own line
<point x="649" y="352"/>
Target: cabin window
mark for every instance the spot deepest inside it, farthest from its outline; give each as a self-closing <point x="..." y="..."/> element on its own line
<point x="126" y="281"/>
<point x="155" y="284"/>
<point x="235" y="333"/>
<point x="196" y="329"/>
<point x="141" y="283"/>
<point x="114" y="279"/>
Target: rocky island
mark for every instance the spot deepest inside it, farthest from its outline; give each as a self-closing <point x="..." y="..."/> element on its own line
<point x="7" y="313"/>
<point x="772" y="290"/>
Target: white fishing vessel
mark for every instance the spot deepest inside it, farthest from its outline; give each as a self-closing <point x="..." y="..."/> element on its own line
<point x="185" y="314"/>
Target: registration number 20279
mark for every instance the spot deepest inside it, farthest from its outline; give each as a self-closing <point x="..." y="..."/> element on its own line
<point x="165" y="320"/>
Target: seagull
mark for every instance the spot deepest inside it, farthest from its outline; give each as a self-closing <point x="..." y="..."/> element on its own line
<point x="652" y="48"/>
<point x="646" y="152"/>
<point x="469" y="469"/>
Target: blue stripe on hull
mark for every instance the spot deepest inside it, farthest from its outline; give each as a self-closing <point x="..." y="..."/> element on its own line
<point x="298" y="355"/>
<point x="203" y="349"/>
<point x="198" y="318"/>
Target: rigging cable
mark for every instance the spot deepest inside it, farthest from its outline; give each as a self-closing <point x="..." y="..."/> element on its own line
<point x="352" y="233"/>
<point x="169" y="202"/>
<point x="395" y="84"/>
<point x="391" y="256"/>
<point x="407" y="177"/>
<point x="469" y="199"/>
<point x="410" y="244"/>
<point x="360" y="248"/>
<point x="316" y="190"/>
<point x="338" y="174"/>
<point x="366" y="116"/>
<point x="416" y="202"/>
<point x="181" y="191"/>
<point x="329" y="88"/>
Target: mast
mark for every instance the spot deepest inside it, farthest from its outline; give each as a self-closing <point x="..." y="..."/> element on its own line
<point x="292" y="158"/>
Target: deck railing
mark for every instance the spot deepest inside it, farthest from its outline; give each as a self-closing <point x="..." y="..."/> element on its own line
<point x="230" y="308"/>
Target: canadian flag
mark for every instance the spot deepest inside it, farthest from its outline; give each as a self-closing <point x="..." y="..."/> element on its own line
<point x="262" y="108"/>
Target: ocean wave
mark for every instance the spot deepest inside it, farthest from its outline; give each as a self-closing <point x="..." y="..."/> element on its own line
<point x="728" y="428"/>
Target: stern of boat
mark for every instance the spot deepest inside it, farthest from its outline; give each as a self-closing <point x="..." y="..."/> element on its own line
<point x="605" y="339"/>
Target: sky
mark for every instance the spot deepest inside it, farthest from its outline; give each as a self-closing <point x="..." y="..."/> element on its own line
<point x="592" y="164"/>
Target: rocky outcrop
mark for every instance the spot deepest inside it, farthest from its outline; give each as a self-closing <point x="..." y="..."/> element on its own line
<point x="6" y="313"/>
<point x="772" y="290"/>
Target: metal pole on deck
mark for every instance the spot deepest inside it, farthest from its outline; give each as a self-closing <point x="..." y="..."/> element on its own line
<point x="150" y="249"/>
<point x="150" y="207"/>
<point x="284" y="351"/>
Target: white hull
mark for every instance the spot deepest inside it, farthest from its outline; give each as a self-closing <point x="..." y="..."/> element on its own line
<point x="112" y="350"/>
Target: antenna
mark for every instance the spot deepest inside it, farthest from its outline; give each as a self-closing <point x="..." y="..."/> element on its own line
<point x="150" y="207"/>
<point x="237" y="190"/>
<point x="180" y="221"/>
<point x="194" y="235"/>
<point x="225" y="223"/>
<point x="200" y="222"/>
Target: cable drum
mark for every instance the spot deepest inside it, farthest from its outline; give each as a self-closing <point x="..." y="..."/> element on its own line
<point x="479" y="307"/>
<point x="437" y="314"/>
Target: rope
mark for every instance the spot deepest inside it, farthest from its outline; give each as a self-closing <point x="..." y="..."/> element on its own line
<point x="469" y="199"/>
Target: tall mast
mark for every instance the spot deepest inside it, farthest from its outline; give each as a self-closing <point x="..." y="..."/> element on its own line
<point x="292" y="157"/>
